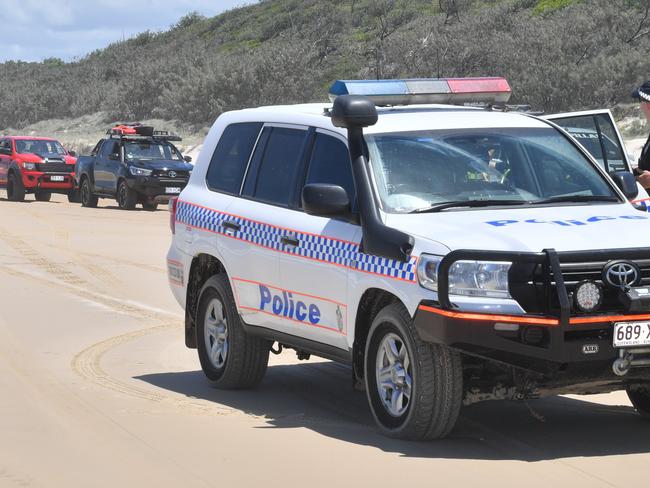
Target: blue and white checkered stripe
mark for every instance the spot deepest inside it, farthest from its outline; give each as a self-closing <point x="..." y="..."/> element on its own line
<point x="321" y="248"/>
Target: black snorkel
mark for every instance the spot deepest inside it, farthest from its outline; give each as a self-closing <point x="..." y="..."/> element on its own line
<point x="354" y="113"/>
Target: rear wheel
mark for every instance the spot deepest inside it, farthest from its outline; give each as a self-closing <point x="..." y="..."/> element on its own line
<point x="229" y="357"/>
<point x="640" y="398"/>
<point x="126" y="198"/>
<point x="15" y="188"/>
<point x="86" y="194"/>
<point x="43" y="196"/>
<point x="414" y="388"/>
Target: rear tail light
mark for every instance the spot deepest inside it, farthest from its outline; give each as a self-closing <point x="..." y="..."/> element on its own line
<point x="173" y="204"/>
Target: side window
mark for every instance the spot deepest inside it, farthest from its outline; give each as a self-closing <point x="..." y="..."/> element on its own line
<point x="584" y="130"/>
<point x="95" y="151"/>
<point x="330" y="163"/>
<point x="279" y="166"/>
<point x="5" y="147"/>
<point x="611" y="143"/>
<point x="108" y="148"/>
<point x="230" y="158"/>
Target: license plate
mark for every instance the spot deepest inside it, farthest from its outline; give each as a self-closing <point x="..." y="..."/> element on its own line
<point x="631" y="334"/>
<point x="57" y="178"/>
<point x="172" y="190"/>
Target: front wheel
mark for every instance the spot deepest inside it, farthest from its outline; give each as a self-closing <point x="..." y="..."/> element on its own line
<point x="43" y="196"/>
<point x="150" y="206"/>
<point x="15" y="188"/>
<point x="640" y="398"/>
<point x="86" y="194"/>
<point x="229" y="357"/>
<point x="414" y="388"/>
<point x="73" y="196"/>
<point x="126" y="198"/>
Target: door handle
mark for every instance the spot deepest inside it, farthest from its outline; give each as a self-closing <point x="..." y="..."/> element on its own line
<point x="229" y="225"/>
<point x="289" y="241"/>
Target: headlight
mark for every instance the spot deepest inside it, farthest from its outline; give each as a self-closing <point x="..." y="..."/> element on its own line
<point x="468" y="278"/>
<point x="135" y="171"/>
<point x="29" y="166"/>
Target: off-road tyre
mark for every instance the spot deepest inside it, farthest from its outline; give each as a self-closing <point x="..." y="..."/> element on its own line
<point x="86" y="196"/>
<point x="247" y="356"/>
<point x="150" y="206"/>
<point x="127" y="198"/>
<point x="15" y="188"/>
<point x="436" y="380"/>
<point x="640" y="398"/>
<point x="43" y="196"/>
<point x="74" y="196"/>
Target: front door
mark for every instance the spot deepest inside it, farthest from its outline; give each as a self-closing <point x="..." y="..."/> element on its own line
<point x="5" y="159"/>
<point x="596" y="131"/>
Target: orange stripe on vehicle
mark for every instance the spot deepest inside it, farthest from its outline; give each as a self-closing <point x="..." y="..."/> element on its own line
<point x="521" y="319"/>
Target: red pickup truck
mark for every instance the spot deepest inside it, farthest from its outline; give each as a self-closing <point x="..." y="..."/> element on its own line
<point x="37" y="165"/>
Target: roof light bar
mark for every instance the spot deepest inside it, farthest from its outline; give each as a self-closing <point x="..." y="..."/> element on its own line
<point x="426" y="90"/>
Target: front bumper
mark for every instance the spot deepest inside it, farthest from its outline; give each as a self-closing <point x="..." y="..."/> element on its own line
<point x="556" y="343"/>
<point x="37" y="180"/>
<point x="156" y="188"/>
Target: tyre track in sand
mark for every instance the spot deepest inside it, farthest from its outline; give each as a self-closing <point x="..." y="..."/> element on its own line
<point x="87" y="363"/>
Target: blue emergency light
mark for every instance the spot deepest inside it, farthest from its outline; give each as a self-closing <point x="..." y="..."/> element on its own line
<point x="426" y="90"/>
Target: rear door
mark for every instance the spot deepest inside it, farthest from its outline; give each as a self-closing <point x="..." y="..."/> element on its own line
<point x="315" y="266"/>
<point x="264" y="220"/>
<point x="596" y="131"/>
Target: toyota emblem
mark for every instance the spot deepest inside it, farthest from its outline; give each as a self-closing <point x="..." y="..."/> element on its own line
<point x="172" y="174"/>
<point x="621" y="274"/>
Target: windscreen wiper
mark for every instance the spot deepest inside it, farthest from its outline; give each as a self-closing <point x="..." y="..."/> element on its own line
<point x="467" y="203"/>
<point x="577" y="198"/>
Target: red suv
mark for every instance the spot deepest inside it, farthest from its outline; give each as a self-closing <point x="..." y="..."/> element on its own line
<point x="37" y="165"/>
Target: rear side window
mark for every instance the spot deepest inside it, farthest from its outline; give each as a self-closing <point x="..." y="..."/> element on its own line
<point x="277" y="174"/>
<point x="230" y="158"/>
<point x="330" y="163"/>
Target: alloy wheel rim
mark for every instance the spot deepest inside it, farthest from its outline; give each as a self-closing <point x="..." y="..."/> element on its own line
<point x="216" y="333"/>
<point x="393" y="374"/>
<point x="84" y="193"/>
<point x="122" y="197"/>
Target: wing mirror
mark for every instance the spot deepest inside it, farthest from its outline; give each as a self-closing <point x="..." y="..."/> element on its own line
<point x="114" y="157"/>
<point x="325" y="200"/>
<point x="187" y="159"/>
<point x="72" y="153"/>
<point x="626" y="182"/>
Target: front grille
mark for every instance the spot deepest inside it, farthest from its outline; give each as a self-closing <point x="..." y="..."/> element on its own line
<point x="180" y="175"/>
<point x="534" y="287"/>
<point x="55" y="167"/>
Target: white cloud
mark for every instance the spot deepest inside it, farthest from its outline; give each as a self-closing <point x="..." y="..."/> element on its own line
<point x="33" y="30"/>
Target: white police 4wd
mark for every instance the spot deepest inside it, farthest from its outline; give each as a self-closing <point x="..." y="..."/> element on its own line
<point x="449" y="254"/>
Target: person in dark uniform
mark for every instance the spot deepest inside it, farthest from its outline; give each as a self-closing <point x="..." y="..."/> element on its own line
<point x="642" y="172"/>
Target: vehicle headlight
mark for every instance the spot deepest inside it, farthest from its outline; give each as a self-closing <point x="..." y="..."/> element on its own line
<point x="29" y="166"/>
<point x="135" y="171"/>
<point x="468" y="278"/>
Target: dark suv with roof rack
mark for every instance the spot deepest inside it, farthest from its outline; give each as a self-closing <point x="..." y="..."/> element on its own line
<point x="133" y="164"/>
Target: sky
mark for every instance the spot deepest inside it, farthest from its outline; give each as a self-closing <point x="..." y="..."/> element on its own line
<point x="33" y="30"/>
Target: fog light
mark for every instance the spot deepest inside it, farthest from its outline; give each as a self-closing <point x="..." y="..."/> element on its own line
<point x="588" y="296"/>
<point x="533" y="335"/>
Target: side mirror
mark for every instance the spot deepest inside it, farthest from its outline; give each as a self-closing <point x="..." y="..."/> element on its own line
<point x="114" y="157"/>
<point x="325" y="200"/>
<point x="626" y="182"/>
<point x="72" y="153"/>
<point x="188" y="159"/>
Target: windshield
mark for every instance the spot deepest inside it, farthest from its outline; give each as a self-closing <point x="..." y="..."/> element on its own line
<point x="415" y="170"/>
<point x="147" y="150"/>
<point x="40" y="147"/>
